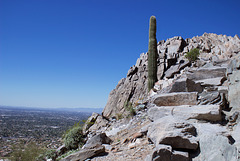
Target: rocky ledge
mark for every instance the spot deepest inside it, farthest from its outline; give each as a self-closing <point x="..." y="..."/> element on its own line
<point x="191" y="114"/>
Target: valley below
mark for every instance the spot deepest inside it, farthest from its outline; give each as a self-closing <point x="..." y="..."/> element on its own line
<point x="44" y="127"/>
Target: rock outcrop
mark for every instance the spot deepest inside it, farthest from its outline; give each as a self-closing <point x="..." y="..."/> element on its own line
<point x="191" y="114"/>
<point x="129" y="89"/>
<point x="218" y="49"/>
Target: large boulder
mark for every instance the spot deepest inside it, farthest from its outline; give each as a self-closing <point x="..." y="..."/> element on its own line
<point x="160" y="153"/>
<point x="90" y="121"/>
<point x="97" y="140"/>
<point x="174" y="69"/>
<point x="215" y="143"/>
<point x="174" y="132"/>
<point x="165" y="153"/>
<point x="99" y="123"/>
<point x="175" y="45"/>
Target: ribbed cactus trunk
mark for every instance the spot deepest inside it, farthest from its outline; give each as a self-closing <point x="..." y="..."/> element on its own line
<point x="152" y="54"/>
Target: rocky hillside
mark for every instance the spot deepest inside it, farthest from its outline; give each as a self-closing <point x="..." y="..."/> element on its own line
<point x="191" y="114"/>
<point x="213" y="48"/>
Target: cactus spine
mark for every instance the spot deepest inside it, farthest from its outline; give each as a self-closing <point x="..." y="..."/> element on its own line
<point x="152" y="54"/>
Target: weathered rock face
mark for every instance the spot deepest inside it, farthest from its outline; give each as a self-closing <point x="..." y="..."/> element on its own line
<point x="129" y="89"/>
<point x="90" y="121"/>
<point x="171" y="62"/>
<point x="99" y="123"/>
<point x="174" y="69"/>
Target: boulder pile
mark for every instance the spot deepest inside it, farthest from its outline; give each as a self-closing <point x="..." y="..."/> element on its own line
<point x="192" y="113"/>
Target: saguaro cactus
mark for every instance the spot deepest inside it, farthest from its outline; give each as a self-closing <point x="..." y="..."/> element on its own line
<point x="152" y="54"/>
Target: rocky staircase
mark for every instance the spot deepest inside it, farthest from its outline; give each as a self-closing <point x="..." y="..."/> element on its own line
<point x="192" y="103"/>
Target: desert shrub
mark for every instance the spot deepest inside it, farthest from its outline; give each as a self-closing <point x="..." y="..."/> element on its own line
<point x="138" y="102"/>
<point x="47" y="154"/>
<point x="73" y="138"/>
<point x="41" y="157"/>
<point x="193" y="54"/>
<point x="119" y="116"/>
<point x="51" y="154"/>
<point x="129" y="107"/>
<point x="89" y="124"/>
<point x="29" y="151"/>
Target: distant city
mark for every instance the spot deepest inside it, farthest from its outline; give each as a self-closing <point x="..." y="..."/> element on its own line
<point x="44" y="126"/>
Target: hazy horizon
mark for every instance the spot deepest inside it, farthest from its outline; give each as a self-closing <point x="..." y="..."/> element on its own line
<point x="60" y="109"/>
<point x="53" y="107"/>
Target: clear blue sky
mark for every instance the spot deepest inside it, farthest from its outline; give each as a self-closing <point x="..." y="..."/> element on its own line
<point x="72" y="53"/>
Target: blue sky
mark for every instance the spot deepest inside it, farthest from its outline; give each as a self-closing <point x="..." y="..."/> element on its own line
<point x="72" y="53"/>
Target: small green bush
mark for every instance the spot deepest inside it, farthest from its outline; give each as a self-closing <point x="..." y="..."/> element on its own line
<point x="129" y="107"/>
<point x="26" y="151"/>
<point x="73" y="138"/>
<point x="192" y="55"/>
<point x="119" y="116"/>
<point x="51" y="154"/>
<point x="66" y="154"/>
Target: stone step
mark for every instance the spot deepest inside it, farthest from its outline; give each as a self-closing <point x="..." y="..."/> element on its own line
<point x="199" y="112"/>
<point x="175" y="99"/>
<point x="185" y="85"/>
<point x="211" y="81"/>
<point x="206" y="73"/>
